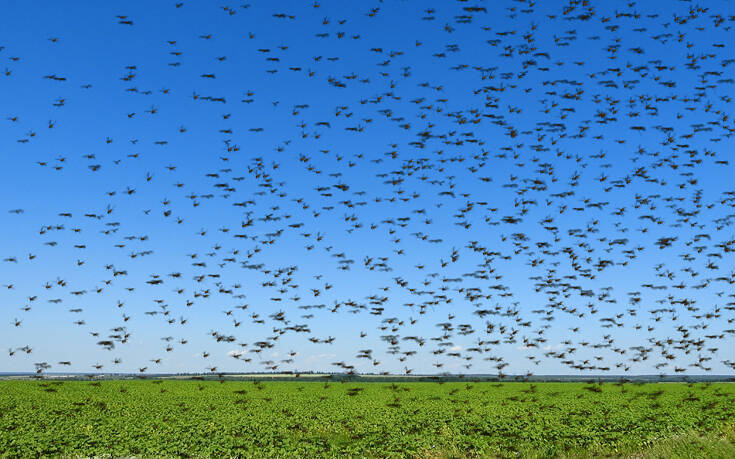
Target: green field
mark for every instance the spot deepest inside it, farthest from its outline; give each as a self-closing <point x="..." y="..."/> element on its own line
<point x="412" y="419"/>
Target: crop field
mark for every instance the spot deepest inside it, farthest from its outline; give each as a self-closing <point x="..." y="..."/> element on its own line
<point x="316" y="419"/>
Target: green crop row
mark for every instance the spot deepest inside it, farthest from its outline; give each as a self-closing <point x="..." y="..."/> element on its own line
<point x="294" y="419"/>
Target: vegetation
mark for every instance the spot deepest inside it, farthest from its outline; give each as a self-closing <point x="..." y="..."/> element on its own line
<point x="412" y="419"/>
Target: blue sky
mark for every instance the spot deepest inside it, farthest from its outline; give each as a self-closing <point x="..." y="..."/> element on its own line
<point x="575" y="95"/>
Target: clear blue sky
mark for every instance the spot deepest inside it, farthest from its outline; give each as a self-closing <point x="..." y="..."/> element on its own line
<point x="561" y="141"/>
